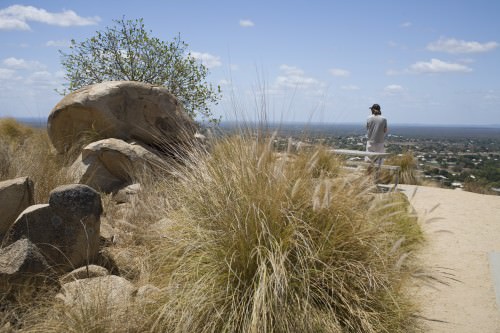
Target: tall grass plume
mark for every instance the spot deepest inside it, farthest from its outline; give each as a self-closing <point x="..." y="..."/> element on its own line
<point x="261" y="243"/>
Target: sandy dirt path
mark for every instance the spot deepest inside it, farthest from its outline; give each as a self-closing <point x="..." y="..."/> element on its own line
<point x="461" y="233"/>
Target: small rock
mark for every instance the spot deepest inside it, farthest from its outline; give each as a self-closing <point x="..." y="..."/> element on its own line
<point x="84" y="272"/>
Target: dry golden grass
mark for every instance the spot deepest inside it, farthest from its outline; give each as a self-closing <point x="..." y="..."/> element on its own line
<point x="408" y="168"/>
<point x="481" y="187"/>
<point x="260" y="244"/>
<point x="96" y="314"/>
<point x="27" y="152"/>
<point x="14" y="132"/>
<point x="243" y="239"/>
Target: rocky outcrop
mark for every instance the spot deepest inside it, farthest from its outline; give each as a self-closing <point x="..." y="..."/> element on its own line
<point x="109" y="291"/>
<point x="15" y="196"/>
<point x="108" y="165"/>
<point x="22" y="266"/>
<point x="66" y="230"/>
<point x="126" y="194"/>
<point x="84" y="272"/>
<point x="120" y="109"/>
<point x="135" y="130"/>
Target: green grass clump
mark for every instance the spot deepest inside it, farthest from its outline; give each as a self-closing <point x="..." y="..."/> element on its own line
<point x="257" y="243"/>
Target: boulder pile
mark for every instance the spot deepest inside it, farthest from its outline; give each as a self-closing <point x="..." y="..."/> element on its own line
<point x="114" y="130"/>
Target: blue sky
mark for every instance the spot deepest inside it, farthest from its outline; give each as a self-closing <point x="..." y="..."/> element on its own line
<point x="431" y="62"/>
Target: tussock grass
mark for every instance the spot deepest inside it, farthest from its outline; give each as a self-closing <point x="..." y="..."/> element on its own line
<point x="14" y="132"/>
<point x="257" y="243"/>
<point x="478" y="186"/>
<point x="408" y="168"/>
<point x="95" y="314"/>
<point x="243" y="239"/>
<point x="28" y="152"/>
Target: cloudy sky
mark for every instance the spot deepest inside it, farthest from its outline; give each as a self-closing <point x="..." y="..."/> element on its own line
<point x="425" y="62"/>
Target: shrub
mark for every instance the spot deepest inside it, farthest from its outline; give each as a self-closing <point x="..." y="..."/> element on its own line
<point x="254" y="241"/>
<point x="408" y="168"/>
<point x="260" y="244"/>
<point x="478" y="186"/>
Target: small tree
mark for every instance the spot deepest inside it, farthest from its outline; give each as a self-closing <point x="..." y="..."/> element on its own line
<point x="128" y="52"/>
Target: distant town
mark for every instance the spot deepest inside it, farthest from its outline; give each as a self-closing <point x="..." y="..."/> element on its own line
<point x="449" y="161"/>
<point x="449" y="156"/>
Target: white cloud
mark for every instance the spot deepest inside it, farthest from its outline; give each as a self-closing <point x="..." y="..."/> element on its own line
<point x="392" y="72"/>
<point x="41" y="78"/>
<point x="406" y="24"/>
<point x="295" y="81"/>
<point x="16" y="17"/>
<point x="6" y="74"/>
<point x="246" y="23"/>
<point x="438" y="66"/>
<point x="291" y="70"/>
<point x="349" y="87"/>
<point x="43" y="81"/>
<point x="393" y="89"/>
<point x="339" y="72"/>
<point x="452" y="45"/>
<point x="492" y="95"/>
<point x="60" y="74"/>
<point x="58" y="43"/>
<point x="207" y="59"/>
<point x="17" y="63"/>
<point x="10" y="23"/>
<point x="294" y="78"/>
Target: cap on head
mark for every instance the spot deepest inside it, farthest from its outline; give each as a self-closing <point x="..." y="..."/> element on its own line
<point x="375" y="107"/>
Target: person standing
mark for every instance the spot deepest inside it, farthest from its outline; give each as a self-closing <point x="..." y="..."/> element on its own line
<point x="376" y="128"/>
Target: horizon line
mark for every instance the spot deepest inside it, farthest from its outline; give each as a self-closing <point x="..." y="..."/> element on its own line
<point x="292" y="122"/>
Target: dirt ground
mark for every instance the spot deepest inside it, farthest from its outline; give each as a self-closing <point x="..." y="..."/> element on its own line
<point x="460" y="232"/>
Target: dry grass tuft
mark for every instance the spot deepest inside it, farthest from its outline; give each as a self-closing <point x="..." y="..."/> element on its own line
<point x="260" y="244"/>
<point x="243" y="239"/>
<point x="95" y="314"/>
<point x="14" y="132"/>
<point x="31" y="154"/>
<point x="408" y="168"/>
<point x="478" y="186"/>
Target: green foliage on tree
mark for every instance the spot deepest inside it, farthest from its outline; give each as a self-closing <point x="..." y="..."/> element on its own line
<point x="126" y="51"/>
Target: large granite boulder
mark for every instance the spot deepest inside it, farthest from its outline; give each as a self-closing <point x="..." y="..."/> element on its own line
<point x="15" y="196"/>
<point x="110" y="164"/>
<point x="66" y="230"/>
<point x="120" y="109"/>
